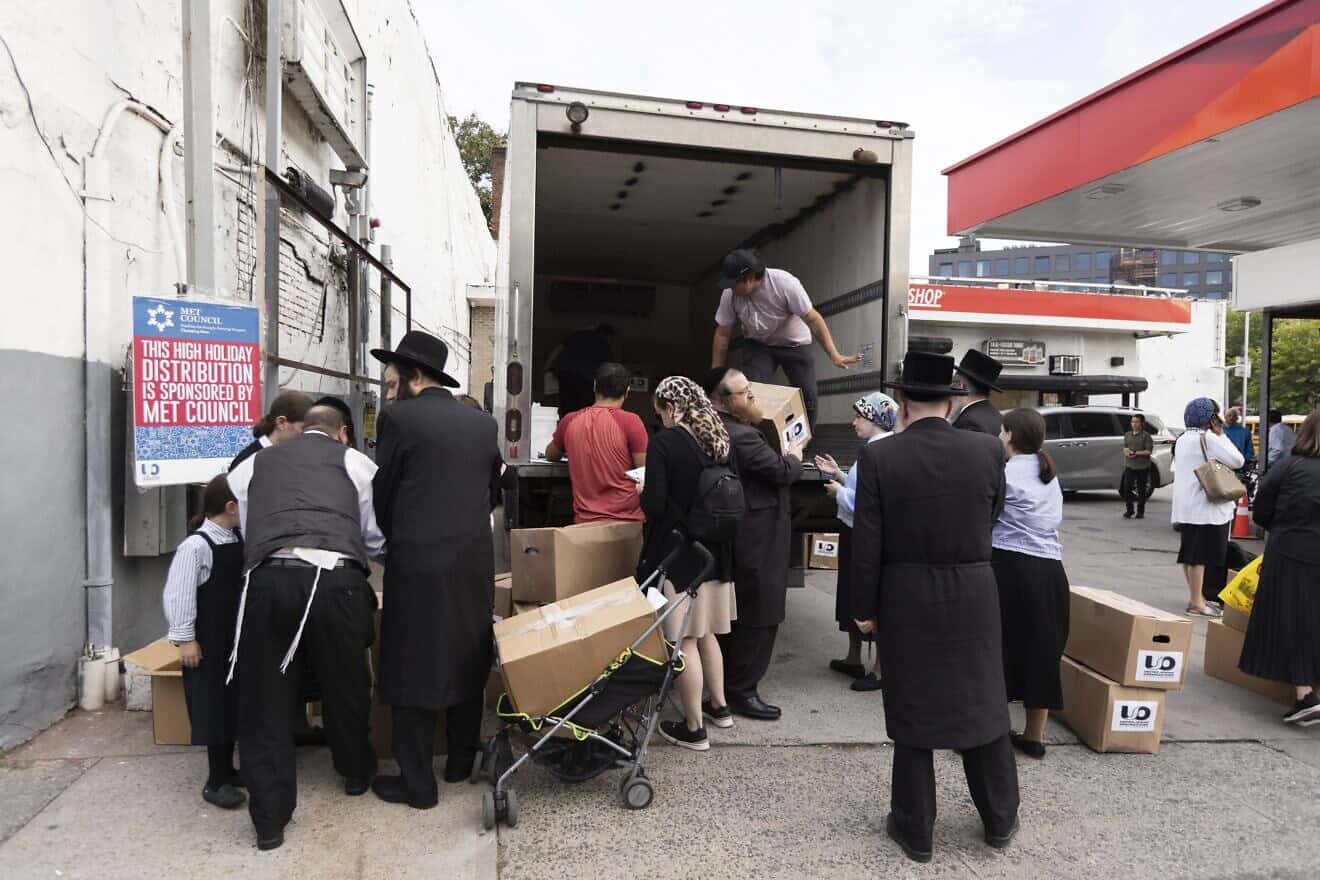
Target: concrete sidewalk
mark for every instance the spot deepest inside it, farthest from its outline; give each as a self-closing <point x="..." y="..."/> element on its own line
<point x="1233" y="792"/>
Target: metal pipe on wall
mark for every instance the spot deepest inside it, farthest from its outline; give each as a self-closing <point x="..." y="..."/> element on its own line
<point x="1263" y="419"/>
<point x="274" y="117"/>
<point x="198" y="134"/>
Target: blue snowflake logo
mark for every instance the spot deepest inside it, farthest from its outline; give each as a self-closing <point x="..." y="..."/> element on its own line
<point x="160" y="317"/>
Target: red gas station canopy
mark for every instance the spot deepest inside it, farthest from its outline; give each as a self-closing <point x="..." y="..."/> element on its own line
<point x="1216" y="146"/>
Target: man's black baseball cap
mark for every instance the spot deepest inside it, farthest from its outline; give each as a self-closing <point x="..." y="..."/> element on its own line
<point x="737" y="264"/>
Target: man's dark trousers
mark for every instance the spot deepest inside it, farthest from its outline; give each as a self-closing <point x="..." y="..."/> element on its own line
<point x="1137" y="485"/>
<point x="413" y="739"/>
<point x="797" y="361"/>
<point x="746" y="651"/>
<point x="991" y="772"/>
<point x="338" y="631"/>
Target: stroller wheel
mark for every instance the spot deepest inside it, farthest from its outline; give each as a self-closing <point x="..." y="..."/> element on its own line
<point x="637" y="792"/>
<point x="511" y="808"/>
<point x="478" y="767"/>
<point x="488" y="810"/>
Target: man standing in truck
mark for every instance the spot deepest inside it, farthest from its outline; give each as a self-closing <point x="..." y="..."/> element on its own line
<point x="777" y="321"/>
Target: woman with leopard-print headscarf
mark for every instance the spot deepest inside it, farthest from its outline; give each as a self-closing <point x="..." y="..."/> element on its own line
<point x="693" y="437"/>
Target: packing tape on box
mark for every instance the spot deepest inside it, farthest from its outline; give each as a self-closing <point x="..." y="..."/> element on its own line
<point x="565" y="618"/>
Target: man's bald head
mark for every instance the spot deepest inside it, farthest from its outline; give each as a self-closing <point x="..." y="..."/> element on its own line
<point x="328" y="420"/>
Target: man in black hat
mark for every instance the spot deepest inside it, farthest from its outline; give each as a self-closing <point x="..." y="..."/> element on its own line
<point x="977" y="375"/>
<point x="927" y="499"/>
<point x="436" y="487"/>
<point x="777" y="321"/>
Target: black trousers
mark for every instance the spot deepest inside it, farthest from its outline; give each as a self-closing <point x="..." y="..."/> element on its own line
<point x="338" y="630"/>
<point x="746" y="651"/>
<point x="1136" y="488"/>
<point x="413" y="738"/>
<point x="760" y="362"/>
<point x="991" y="772"/>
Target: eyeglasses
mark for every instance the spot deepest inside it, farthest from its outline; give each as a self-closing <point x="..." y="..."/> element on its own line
<point x="746" y="392"/>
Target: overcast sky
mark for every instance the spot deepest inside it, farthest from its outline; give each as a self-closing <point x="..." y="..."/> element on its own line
<point x="962" y="73"/>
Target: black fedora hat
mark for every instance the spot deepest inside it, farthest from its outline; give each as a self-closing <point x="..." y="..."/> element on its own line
<point x="927" y="375"/>
<point x="419" y="349"/>
<point x="981" y="368"/>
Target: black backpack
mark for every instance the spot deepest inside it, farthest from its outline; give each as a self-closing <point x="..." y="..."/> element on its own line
<point x="718" y="505"/>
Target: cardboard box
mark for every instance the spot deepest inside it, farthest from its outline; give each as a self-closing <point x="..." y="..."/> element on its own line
<point x="1128" y="641"/>
<point x="503" y="596"/>
<point x="785" y="422"/>
<point x="549" y="654"/>
<point x="822" y="551"/>
<point x="169" y="709"/>
<point x="1223" y="649"/>
<point x="556" y="563"/>
<point x="1107" y="716"/>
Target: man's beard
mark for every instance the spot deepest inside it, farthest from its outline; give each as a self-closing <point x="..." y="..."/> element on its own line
<point x="747" y="411"/>
<point x="404" y="392"/>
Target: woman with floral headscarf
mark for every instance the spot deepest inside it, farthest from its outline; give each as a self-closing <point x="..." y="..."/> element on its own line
<point x="875" y="419"/>
<point x="693" y="436"/>
<point x="1204" y="523"/>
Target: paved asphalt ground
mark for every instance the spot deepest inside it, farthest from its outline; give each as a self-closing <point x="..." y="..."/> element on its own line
<point x="1233" y="792"/>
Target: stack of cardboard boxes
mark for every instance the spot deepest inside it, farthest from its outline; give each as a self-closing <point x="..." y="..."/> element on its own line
<point x="1122" y="656"/>
<point x="1223" y="649"/>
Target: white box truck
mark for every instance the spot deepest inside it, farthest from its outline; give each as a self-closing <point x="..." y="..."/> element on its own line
<point x="619" y="208"/>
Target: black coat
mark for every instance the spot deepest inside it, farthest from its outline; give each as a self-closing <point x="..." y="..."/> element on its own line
<point x="760" y="553"/>
<point x="673" y="464"/>
<point x="245" y="453"/>
<point x="980" y="416"/>
<point x="436" y="486"/>
<point x="927" y="499"/>
<point x="1287" y="503"/>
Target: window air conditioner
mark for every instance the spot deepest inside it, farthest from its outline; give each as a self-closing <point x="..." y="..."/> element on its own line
<point x="1065" y="364"/>
<point x="324" y="70"/>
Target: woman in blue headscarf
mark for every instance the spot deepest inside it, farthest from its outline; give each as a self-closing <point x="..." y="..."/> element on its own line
<point x="876" y="416"/>
<point x="1204" y="523"/>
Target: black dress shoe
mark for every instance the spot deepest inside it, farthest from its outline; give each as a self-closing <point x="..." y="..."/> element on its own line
<point x="1001" y="841"/>
<point x="225" y="796"/>
<point x="868" y="682"/>
<point x="852" y="670"/>
<point x="355" y="787"/>
<point x="275" y="841"/>
<point x="916" y="855"/>
<point x="309" y="736"/>
<point x="392" y="790"/>
<point x="458" y="767"/>
<point x="754" y="707"/>
<point x="1029" y="747"/>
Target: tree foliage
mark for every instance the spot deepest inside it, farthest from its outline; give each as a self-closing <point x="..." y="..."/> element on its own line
<point x="1295" y="370"/>
<point x="476" y="141"/>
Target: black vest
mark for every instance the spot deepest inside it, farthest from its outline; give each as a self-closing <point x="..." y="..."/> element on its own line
<point x="302" y="496"/>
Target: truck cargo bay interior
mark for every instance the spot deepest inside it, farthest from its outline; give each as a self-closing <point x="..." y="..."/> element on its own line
<point x="633" y="236"/>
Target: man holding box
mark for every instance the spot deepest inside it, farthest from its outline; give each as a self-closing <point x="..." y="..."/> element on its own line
<point x="926" y="502"/>
<point x="437" y="485"/>
<point x="777" y="321"/>
<point x="760" y="553"/>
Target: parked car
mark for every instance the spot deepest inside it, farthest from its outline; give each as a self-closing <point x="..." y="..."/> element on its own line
<point x="1086" y="443"/>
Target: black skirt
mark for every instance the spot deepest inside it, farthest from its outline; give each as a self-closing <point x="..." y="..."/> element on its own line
<point x="1033" y="608"/>
<point x="1203" y="544"/>
<point x="1283" y="635"/>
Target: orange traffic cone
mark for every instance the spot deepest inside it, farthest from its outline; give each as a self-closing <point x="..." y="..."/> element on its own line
<point x="1242" y="519"/>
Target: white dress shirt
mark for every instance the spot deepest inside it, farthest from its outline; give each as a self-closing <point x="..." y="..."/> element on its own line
<point x="1190" y="504"/>
<point x="190" y="568"/>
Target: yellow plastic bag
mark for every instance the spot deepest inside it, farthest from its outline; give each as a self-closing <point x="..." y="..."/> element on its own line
<point x="1241" y="591"/>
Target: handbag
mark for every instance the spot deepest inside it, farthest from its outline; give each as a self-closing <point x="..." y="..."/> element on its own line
<point x="1217" y="479"/>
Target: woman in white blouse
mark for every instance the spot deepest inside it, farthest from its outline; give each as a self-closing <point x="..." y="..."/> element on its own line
<point x="1203" y="524"/>
<point x="876" y="416"/>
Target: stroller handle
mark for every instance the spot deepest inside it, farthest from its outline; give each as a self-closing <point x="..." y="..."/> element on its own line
<point x="707" y="560"/>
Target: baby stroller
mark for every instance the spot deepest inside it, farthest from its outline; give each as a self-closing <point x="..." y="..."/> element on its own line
<point x="611" y="720"/>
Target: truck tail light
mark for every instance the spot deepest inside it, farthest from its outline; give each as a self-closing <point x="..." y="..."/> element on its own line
<point x="544" y="89"/>
<point x="722" y="108"/>
<point x="750" y="111"/>
<point x="695" y="105"/>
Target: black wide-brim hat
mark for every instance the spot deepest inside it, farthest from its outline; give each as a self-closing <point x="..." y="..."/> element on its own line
<point x="420" y="349"/>
<point x="927" y="374"/>
<point x="981" y="368"/>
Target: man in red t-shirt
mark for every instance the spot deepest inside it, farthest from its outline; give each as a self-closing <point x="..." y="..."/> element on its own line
<point x="603" y="443"/>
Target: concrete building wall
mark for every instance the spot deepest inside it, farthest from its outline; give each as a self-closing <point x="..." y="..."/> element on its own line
<point x="70" y="64"/>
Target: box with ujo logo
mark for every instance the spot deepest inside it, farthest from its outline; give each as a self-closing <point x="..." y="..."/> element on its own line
<point x="821" y="550"/>
<point x="1128" y="641"/>
<point x="1107" y="716"/>
<point x="783" y="417"/>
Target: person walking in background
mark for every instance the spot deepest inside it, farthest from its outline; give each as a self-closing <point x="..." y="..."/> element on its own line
<point x="977" y="375"/>
<point x="1283" y="634"/>
<point x="927" y="501"/>
<point x="603" y="442"/>
<point x="1033" y="587"/>
<point x="1240" y="436"/>
<point x="1280" y="440"/>
<point x="437" y="485"/>
<point x="201" y="607"/>
<point x="1137" y="450"/>
<point x="1203" y="523"/>
<point x="760" y="552"/>
<point x="875" y="417"/>
<point x="283" y="421"/>
<point x="778" y="322"/>
<point x="693" y="436"/>
<point x="575" y="363"/>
